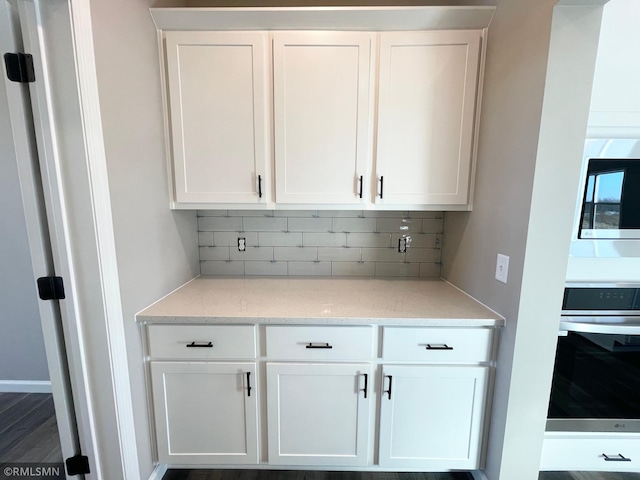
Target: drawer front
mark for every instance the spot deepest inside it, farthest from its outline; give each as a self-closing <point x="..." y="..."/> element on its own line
<point x="319" y="342"/>
<point x="202" y="341"/>
<point x="431" y="344"/>
<point x="575" y="453"/>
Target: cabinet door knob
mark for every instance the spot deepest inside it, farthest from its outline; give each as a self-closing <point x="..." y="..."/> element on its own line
<point x="200" y="345"/>
<point x="388" y="391"/>
<point x="318" y="345"/>
<point x="438" y="346"/>
<point x="615" y="458"/>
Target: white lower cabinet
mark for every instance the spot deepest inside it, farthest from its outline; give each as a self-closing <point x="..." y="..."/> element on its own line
<point x="318" y="414"/>
<point x="334" y="396"/>
<point x="205" y="413"/>
<point x="431" y="417"/>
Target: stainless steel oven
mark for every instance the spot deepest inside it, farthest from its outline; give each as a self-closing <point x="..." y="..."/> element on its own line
<point x="596" y="380"/>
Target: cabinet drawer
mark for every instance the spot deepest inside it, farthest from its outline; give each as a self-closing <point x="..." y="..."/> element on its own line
<point x="430" y="344"/>
<point x="202" y="341"/>
<point x="319" y="342"/>
<point x="576" y="453"/>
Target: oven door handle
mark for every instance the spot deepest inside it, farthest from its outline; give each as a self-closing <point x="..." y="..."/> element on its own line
<point x="626" y="328"/>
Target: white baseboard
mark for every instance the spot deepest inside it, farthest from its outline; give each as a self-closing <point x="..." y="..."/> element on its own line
<point x="25" y="386"/>
<point x="158" y="472"/>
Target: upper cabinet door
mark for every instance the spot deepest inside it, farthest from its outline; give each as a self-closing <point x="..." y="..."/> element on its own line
<point x="321" y="115"/>
<point x="218" y="102"/>
<point x="426" y="107"/>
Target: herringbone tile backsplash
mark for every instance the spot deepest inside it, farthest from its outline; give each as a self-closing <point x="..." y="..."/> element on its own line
<point x="315" y="242"/>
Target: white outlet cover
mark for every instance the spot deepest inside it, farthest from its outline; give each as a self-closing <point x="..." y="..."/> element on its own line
<point x="502" y="268"/>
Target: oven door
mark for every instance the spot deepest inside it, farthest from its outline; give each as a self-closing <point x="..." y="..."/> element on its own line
<point x="596" y="379"/>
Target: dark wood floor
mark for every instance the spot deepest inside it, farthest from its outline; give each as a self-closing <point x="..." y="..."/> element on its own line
<point x="315" y="475"/>
<point x="28" y="429"/>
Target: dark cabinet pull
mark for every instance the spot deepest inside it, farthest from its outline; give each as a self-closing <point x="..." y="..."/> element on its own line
<point x="438" y="346"/>
<point x="615" y="458"/>
<point x="360" y="189"/>
<point x="366" y="383"/>
<point x="381" y="186"/>
<point x="388" y="391"/>
<point x="199" y="345"/>
<point x="259" y="186"/>
<point x="318" y="345"/>
<point x="248" y="384"/>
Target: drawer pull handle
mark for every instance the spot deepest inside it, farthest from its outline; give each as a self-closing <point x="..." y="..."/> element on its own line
<point x="318" y="345"/>
<point x="199" y="345"/>
<point x="360" y="186"/>
<point x="259" y="186"/>
<point x="248" y="384"/>
<point x="438" y="346"/>
<point x="615" y="458"/>
<point x="366" y="383"/>
<point x="388" y="391"/>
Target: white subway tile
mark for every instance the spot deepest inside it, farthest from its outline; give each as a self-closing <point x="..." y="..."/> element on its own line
<point x="324" y="239"/>
<point x="369" y="240"/>
<point x="340" y="213"/>
<point x="296" y="213"/>
<point x="278" y="239"/>
<point x="264" y="224"/>
<point x="384" y="269"/>
<point x="205" y="239"/>
<point x="382" y="255"/>
<point x="385" y="214"/>
<point x="434" y="214"/>
<point x="310" y="224"/>
<point x="214" y="253"/>
<point x="251" y="213"/>
<point x="300" y="254"/>
<point x="219" y="224"/>
<point x="352" y="269"/>
<point x="222" y="268"/>
<point x="432" y="225"/>
<point x="213" y="213"/>
<point x="309" y="268"/>
<point x="265" y="268"/>
<point x="252" y="254"/>
<point x="399" y="225"/>
<point x="354" y="224"/>
<point x="423" y="255"/>
<point x="339" y="254"/>
<point x="230" y="239"/>
<point x="430" y="270"/>
<point x="418" y="240"/>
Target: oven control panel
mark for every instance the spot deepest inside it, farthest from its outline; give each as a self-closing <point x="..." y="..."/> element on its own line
<point x="601" y="299"/>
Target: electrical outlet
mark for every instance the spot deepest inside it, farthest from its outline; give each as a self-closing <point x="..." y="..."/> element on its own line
<point x="502" y="268"/>
<point x="402" y="245"/>
<point x="242" y="244"/>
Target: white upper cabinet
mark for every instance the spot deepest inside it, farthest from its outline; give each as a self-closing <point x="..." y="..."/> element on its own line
<point x="218" y="106"/>
<point x="321" y="116"/>
<point x="427" y="97"/>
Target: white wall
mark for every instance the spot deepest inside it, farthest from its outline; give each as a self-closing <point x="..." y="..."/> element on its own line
<point x="616" y="97"/>
<point x="531" y="132"/>
<point x="157" y="249"/>
<point x="22" y="354"/>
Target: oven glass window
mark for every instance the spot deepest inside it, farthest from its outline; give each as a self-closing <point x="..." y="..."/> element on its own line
<point x="596" y="376"/>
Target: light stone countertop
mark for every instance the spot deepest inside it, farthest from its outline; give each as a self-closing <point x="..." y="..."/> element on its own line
<point x="323" y="300"/>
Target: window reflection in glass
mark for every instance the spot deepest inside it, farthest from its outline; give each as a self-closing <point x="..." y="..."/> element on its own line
<point x="602" y="200"/>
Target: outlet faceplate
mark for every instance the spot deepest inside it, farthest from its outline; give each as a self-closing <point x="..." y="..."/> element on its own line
<point x="242" y="244"/>
<point x="502" y="268"/>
